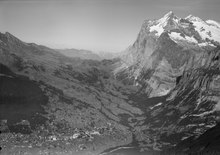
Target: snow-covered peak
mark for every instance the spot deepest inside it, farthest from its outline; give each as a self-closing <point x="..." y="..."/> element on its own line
<point x="166" y="22"/>
<point x="169" y="14"/>
<point x="191" y="29"/>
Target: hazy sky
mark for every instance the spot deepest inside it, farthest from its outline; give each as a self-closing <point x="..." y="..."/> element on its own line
<point x="99" y="25"/>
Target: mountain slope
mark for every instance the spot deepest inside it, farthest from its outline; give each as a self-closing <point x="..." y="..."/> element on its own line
<point x="208" y="143"/>
<point x="84" y="110"/>
<point x="26" y="98"/>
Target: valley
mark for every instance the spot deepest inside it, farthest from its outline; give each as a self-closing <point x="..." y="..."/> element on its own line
<point x="161" y="96"/>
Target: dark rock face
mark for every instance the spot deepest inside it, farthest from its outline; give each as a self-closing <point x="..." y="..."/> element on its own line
<point x="208" y="143"/>
<point x="190" y="109"/>
<point x="21" y="102"/>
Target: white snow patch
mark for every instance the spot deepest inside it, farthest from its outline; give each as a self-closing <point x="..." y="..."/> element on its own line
<point x="158" y="28"/>
<point x="203" y="114"/>
<point x="183" y="138"/>
<point x="206" y="44"/>
<point x="192" y="125"/>
<point x="214" y="23"/>
<point x="156" y="105"/>
<point x="207" y="31"/>
<point x="210" y="125"/>
<point x="177" y="36"/>
<point x="184" y="116"/>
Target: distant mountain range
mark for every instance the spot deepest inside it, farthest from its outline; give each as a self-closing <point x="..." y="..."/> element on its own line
<point x="86" y="54"/>
<point x="83" y="54"/>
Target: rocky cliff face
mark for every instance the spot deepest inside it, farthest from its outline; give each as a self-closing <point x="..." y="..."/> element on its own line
<point x="192" y="107"/>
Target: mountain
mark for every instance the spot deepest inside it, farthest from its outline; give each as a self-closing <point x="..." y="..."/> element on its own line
<point x="162" y="94"/>
<point x="165" y="48"/>
<point x="83" y="54"/>
<point x="175" y="62"/>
